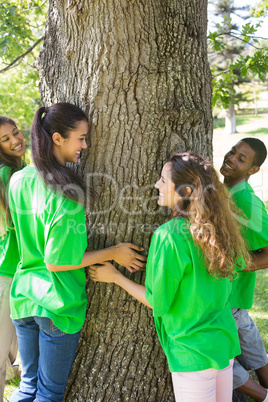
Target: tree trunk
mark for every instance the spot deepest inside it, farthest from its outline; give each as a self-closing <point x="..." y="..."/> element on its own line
<point x="255" y="97"/>
<point x="140" y="70"/>
<point x="230" y="120"/>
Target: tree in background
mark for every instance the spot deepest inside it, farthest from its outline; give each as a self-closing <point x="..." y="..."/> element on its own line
<point x="261" y="9"/>
<point x="22" y="28"/>
<point x="21" y="33"/>
<point x="140" y="71"/>
<point x="236" y="57"/>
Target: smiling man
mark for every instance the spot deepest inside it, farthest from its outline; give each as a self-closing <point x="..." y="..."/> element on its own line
<point x="243" y="160"/>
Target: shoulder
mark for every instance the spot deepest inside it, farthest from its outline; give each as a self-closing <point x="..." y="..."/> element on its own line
<point x="172" y="232"/>
<point x="241" y="191"/>
<point x="245" y="199"/>
<point x="5" y="173"/>
<point x="29" y="188"/>
<point x="29" y="172"/>
<point x="174" y="227"/>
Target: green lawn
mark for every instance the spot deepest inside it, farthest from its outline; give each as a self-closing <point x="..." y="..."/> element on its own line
<point x="259" y="312"/>
<point x="10" y="387"/>
<point x="243" y="120"/>
<point x="220" y="122"/>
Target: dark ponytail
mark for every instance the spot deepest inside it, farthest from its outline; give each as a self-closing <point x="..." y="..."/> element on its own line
<point x="61" y="118"/>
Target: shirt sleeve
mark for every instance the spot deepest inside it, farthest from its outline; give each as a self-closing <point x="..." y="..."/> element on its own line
<point x="66" y="237"/>
<point x="163" y="273"/>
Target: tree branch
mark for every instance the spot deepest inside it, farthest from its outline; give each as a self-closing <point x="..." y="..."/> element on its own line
<point x="242" y="40"/>
<point x="33" y="8"/>
<point x="19" y="59"/>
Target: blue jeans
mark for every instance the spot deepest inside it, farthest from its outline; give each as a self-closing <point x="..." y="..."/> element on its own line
<point x="47" y="356"/>
<point x="253" y="354"/>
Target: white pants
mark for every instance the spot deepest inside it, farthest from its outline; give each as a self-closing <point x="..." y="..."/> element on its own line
<point x="204" y="386"/>
<point x="8" y="339"/>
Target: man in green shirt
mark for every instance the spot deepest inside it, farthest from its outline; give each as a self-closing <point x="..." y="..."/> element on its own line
<point x="243" y="160"/>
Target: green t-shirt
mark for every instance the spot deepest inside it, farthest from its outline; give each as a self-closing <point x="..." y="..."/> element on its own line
<point x="9" y="255"/>
<point x="190" y="307"/>
<point x="254" y="228"/>
<point x="50" y="229"/>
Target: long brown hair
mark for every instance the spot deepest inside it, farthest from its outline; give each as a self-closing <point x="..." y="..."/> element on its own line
<point x="211" y="213"/>
<point x="6" y="160"/>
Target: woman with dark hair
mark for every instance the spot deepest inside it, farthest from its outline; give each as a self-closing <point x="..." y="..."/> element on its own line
<point x="48" y="296"/>
<point x="191" y="263"/>
<point x="12" y="149"/>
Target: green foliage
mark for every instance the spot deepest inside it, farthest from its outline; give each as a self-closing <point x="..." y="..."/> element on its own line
<point x="257" y="64"/>
<point x="222" y="88"/>
<point x="19" y="96"/>
<point x="21" y="25"/>
<point x="248" y="30"/>
<point x="261" y="9"/>
<point x="232" y="61"/>
<point x="215" y="41"/>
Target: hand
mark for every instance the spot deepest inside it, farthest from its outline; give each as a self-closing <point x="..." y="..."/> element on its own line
<point x="105" y="272"/>
<point x="125" y="255"/>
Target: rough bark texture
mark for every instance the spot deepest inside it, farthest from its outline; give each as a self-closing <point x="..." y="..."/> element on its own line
<point x="139" y="68"/>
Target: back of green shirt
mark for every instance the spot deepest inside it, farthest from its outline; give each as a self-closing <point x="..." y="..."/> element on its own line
<point x="191" y="310"/>
<point x="9" y="255"/>
<point x="254" y="228"/>
<point x="50" y="229"/>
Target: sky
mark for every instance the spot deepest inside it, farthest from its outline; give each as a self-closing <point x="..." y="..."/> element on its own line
<point x="262" y="31"/>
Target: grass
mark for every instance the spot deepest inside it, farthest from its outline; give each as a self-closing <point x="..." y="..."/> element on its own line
<point x="258" y="131"/>
<point x="259" y="311"/>
<point x="10" y="387"/>
<point x="241" y="120"/>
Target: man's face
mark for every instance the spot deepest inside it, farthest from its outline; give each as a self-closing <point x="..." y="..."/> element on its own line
<point x="238" y="164"/>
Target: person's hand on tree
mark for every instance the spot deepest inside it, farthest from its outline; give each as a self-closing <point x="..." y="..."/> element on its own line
<point x="124" y="254"/>
<point x="105" y="272"/>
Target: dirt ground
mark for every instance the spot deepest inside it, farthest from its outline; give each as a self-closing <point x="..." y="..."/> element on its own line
<point x="222" y="143"/>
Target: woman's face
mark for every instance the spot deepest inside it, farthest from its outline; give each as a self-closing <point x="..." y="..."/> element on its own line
<point x="11" y="141"/>
<point x="69" y="149"/>
<point x="168" y="197"/>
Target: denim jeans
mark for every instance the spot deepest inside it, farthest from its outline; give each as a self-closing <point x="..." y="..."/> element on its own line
<point x="253" y="354"/>
<point x="47" y="355"/>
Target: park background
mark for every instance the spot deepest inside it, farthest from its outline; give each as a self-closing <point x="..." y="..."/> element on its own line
<point x="21" y="103"/>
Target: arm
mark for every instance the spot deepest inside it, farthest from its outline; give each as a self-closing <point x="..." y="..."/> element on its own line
<point x="123" y="253"/>
<point x="260" y="260"/>
<point x="109" y="274"/>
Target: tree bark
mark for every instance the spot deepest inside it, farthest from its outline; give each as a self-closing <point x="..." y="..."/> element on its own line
<point x="139" y="68"/>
